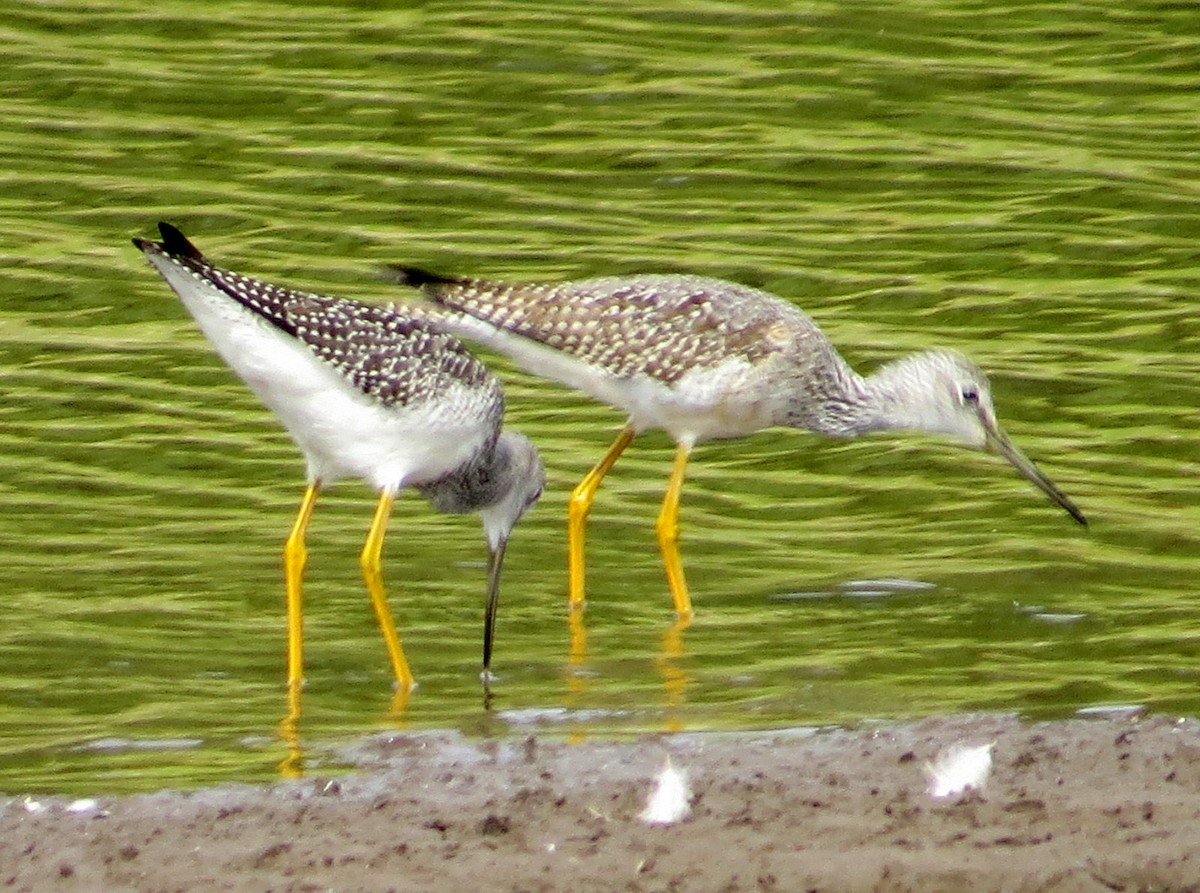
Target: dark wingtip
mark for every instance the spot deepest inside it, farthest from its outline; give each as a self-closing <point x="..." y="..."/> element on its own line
<point x="415" y="277"/>
<point x="173" y="243"/>
<point x="176" y="243"/>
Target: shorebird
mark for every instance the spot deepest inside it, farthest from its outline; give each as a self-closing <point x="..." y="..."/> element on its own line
<point x="365" y="392"/>
<point x="701" y="359"/>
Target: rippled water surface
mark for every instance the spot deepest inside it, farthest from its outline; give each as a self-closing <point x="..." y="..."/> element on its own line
<point x="1017" y="181"/>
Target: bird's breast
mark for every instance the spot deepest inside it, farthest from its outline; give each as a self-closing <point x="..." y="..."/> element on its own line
<point x="726" y="400"/>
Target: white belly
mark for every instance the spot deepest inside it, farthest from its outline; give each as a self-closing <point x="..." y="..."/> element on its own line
<point x="341" y="431"/>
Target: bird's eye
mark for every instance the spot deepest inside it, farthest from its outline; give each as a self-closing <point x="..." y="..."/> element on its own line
<point x="970" y="393"/>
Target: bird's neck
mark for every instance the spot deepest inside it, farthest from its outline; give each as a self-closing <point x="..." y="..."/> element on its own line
<point x="833" y="399"/>
<point x="842" y="403"/>
<point x="475" y="484"/>
<point x="897" y="397"/>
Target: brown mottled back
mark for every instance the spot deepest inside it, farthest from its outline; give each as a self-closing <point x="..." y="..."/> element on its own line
<point x="663" y="326"/>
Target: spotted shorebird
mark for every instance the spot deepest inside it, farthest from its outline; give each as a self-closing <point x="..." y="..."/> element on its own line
<point x="701" y="359"/>
<point x="369" y="393"/>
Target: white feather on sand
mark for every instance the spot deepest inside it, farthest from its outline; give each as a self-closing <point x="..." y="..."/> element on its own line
<point x="668" y="803"/>
<point x="959" y="768"/>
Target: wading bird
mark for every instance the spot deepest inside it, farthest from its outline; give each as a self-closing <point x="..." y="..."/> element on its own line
<point x="703" y="358"/>
<point x="370" y="393"/>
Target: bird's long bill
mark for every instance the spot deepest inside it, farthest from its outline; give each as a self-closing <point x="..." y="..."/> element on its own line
<point x="999" y="443"/>
<point x="495" y="564"/>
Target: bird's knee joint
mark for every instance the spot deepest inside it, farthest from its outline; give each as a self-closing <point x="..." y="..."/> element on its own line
<point x="668" y="531"/>
<point x="579" y="505"/>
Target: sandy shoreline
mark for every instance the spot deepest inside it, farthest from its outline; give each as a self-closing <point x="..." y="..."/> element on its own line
<point x="1078" y="805"/>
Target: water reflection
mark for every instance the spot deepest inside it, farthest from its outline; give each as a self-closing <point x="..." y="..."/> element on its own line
<point x="669" y="663"/>
<point x="292" y="765"/>
<point x="675" y="677"/>
<point x="290" y="727"/>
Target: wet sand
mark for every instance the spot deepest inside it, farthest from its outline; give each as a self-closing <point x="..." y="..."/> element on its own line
<point x="1110" y="804"/>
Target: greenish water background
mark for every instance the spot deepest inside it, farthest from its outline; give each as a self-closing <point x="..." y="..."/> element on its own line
<point x="1018" y="182"/>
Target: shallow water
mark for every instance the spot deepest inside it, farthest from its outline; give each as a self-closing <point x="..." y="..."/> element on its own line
<point x="1017" y="182"/>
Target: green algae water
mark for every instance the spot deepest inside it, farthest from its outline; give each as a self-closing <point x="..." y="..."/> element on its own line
<point x="1016" y="182"/>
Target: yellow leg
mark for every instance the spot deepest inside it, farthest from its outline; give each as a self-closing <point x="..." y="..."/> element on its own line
<point x="295" y="557"/>
<point x="373" y="575"/>
<point x="577" y="512"/>
<point x="668" y="534"/>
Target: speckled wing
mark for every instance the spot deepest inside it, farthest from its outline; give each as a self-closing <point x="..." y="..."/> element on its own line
<point x="391" y="358"/>
<point x="660" y="326"/>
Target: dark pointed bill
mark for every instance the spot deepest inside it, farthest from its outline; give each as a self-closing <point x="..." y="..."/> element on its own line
<point x="495" y="563"/>
<point x="999" y="443"/>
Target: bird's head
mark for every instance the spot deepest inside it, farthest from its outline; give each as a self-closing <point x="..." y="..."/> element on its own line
<point x="522" y="478"/>
<point x="942" y="392"/>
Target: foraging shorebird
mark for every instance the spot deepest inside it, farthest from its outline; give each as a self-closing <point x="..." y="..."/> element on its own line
<point x="701" y="359"/>
<point x="365" y="392"/>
